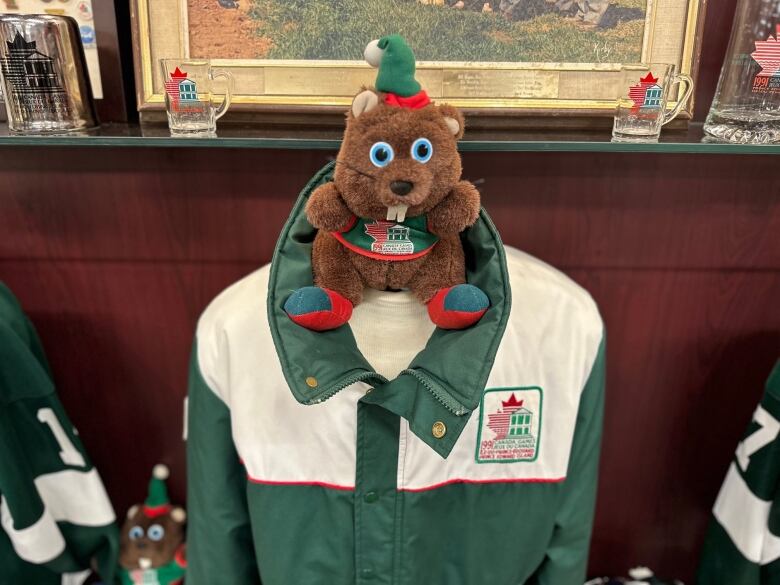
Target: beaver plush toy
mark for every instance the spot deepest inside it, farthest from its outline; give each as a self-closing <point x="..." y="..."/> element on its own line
<point x="392" y="216"/>
<point x="152" y="540"/>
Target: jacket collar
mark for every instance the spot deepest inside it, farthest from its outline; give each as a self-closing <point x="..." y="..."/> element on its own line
<point x="444" y="382"/>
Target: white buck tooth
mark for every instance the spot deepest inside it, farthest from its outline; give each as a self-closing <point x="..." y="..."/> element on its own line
<point x="397" y="213"/>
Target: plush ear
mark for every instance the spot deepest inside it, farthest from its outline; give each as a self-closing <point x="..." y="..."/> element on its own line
<point x="178" y="515"/>
<point x="132" y="511"/>
<point x="454" y="120"/>
<point x="364" y="102"/>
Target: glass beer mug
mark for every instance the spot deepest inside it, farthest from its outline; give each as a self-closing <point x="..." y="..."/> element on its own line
<point x="645" y="91"/>
<point x="189" y="96"/>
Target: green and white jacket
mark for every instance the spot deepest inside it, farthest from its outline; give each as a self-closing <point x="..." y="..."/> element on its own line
<point x="743" y="543"/>
<point x="477" y="464"/>
<point x="55" y="516"/>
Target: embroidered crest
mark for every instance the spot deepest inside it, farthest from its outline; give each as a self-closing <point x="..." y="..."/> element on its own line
<point x="510" y="423"/>
<point x="389" y="238"/>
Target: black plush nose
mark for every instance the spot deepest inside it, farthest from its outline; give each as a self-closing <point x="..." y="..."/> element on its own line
<point x="401" y="187"/>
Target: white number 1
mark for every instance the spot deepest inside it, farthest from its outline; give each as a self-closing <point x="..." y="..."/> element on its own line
<point x="770" y="427"/>
<point x="68" y="452"/>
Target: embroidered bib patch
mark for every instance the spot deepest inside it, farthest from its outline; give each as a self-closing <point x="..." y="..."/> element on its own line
<point x="388" y="240"/>
<point x="510" y="424"/>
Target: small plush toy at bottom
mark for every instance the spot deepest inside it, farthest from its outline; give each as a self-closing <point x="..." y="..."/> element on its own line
<point x="152" y="550"/>
<point x="392" y="216"/>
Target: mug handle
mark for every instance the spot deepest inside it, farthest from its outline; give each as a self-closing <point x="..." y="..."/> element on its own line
<point x="679" y="78"/>
<point x="223" y="107"/>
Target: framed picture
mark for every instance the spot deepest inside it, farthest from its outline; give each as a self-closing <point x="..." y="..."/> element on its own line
<point x="499" y="57"/>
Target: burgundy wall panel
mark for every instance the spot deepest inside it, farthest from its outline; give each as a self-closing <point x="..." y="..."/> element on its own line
<point x="114" y="254"/>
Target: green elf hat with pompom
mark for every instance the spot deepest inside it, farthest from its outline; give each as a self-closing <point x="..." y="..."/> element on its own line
<point x="157" y="502"/>
<point x="395" y="60"/>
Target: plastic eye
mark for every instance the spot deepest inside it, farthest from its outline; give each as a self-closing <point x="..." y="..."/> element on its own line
<point x="156" y="532"/>
<point x="136" y="532"/>
<point x="381" y="154"/>
<point x="422" y="150"/>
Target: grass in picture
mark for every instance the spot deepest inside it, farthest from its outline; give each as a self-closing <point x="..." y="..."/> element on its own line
<point x="339" y="30"/>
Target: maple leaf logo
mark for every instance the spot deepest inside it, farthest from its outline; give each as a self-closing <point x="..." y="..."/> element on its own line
<point x="498" y="422"/>
<point x="639" y="93"/>
<point x="767" y="54"/>
<point x="172" y="85"/>
<point x="378" y="230"/>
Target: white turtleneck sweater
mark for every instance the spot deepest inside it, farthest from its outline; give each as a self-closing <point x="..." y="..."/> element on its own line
<point x="390" y="329"/>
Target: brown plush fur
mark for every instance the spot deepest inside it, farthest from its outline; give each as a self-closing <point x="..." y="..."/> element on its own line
<point x="359" y="188"/>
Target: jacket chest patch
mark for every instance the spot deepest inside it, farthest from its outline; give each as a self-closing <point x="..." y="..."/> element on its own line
<point x="510" y="424"/>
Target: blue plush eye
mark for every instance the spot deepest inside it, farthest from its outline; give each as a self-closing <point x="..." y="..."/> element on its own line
<point x="422" y="150"/>
<point x="156" y="532"/>
<point x="136" y="532"/>
<point x="381" y="154"/>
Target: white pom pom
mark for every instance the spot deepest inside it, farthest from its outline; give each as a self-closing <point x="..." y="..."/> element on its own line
<point x="161" y="471"/>
<point x="178" y="515"/>
<point x="640" y="573"/>
<point x="373" y="54"/>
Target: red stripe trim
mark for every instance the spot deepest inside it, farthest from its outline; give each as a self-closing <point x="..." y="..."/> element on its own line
<point x="350" y="225"/>
<point x="331" y="486"/>
<point x="423" y="489"/>
<point x="481" y="481"/>
<point x="377" y="256"/>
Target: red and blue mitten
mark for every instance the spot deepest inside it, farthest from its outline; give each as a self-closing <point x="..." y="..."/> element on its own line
<point x="318" y="309"/>
<point x="458" y="307"/>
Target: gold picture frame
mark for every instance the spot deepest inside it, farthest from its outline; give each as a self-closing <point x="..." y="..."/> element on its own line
<point x="492" y="89"/>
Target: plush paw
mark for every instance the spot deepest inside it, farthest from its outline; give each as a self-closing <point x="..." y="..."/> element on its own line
<point x="318" y="309"/>
<point x="458" y="307"/>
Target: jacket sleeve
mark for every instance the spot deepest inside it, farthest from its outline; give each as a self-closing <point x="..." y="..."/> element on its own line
<point x="566" y="561"/>
<point x="55" y="516"/>
<point x="219" y="538"/>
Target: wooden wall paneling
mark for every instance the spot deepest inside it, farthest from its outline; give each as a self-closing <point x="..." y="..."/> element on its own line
<point x="114" y="254"/>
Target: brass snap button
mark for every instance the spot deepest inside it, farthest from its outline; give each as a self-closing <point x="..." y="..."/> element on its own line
<point x="439" y="429"/>
<point x="369" y="391"/>
<point x="311" y="382"/>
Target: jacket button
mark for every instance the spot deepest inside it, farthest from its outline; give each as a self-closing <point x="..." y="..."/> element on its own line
<point x="439" y="429"/>
<point x="311" y="382"/>
<point x="370" y="497"/>
<point x="367" y="573"/>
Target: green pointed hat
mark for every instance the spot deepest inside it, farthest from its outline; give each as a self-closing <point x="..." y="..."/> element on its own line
<point x="395" y="61"/>
<point x="158" y="491"/>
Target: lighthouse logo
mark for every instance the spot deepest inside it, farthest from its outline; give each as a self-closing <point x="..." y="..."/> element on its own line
<point x="767" y="55"/>
<point x="510" y="422"/>
<point x="389" y="238"/>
